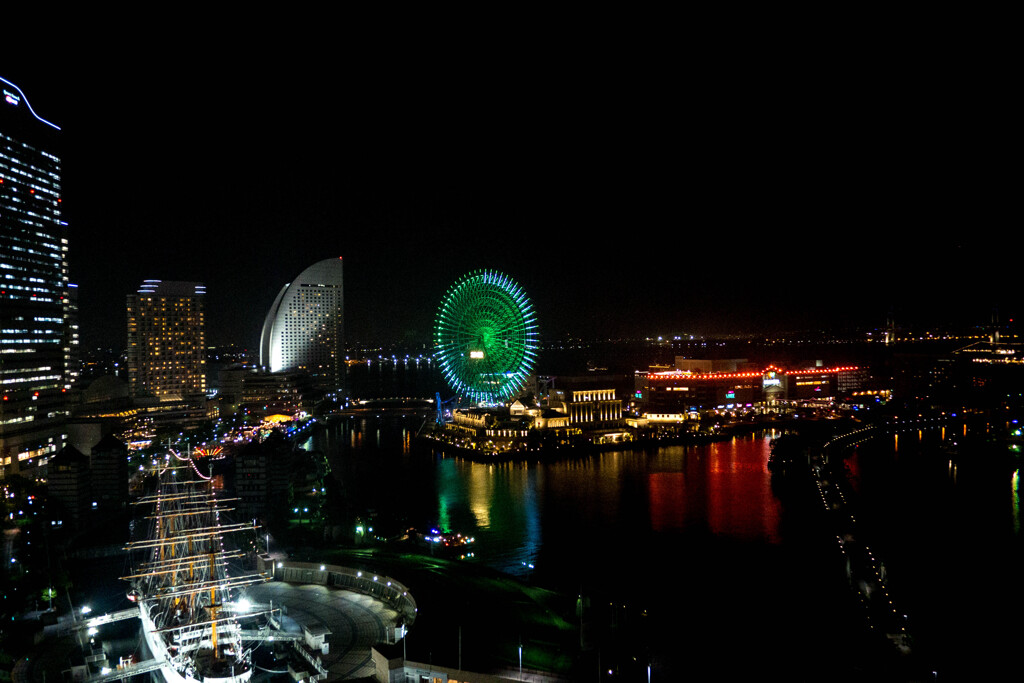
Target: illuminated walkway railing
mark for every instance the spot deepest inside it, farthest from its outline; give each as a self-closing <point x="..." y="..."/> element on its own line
<point x="392" y="593"/>
<point x="866" y="433"/>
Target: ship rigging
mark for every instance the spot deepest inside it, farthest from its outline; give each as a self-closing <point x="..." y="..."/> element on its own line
<point x="182" y="582"/>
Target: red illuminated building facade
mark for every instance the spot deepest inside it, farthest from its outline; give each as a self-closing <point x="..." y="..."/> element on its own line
<point x="679" y="393"/>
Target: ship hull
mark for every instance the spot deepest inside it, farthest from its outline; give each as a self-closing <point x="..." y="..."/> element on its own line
<point x="180" y="668"/>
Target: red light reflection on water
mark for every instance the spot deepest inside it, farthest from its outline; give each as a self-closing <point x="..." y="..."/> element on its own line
<point x="723" y="487"/>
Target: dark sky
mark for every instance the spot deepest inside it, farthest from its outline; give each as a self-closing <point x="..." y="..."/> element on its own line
<point x="629" y="196"/>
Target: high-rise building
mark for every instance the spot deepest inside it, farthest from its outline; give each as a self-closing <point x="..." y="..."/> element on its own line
<point x="34" y="305"/>
<point x="167" y="341"/>
<point x="304" y="329"/>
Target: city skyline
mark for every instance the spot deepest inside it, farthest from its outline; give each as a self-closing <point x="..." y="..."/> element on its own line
<point x="615" y="221"/>
<point x="628" y="197"/>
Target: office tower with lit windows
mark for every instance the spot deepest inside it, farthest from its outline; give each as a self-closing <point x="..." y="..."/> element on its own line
<point x="167" y="341"/>
<point x="304" y="329"/>
<point x="34" y="306"/>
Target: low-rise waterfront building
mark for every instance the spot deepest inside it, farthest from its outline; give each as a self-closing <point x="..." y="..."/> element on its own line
<point x="684" y="394"/>
<point x="273" y="393"/>
<point x="570" y="409"/>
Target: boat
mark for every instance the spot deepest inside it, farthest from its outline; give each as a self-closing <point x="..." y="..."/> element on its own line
<point x="181" y="580"/>
<point x="444" y="539"/>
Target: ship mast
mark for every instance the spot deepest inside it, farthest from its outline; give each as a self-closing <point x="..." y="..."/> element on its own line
<point x="214" y="605"/>
<point x="185" y="572"/>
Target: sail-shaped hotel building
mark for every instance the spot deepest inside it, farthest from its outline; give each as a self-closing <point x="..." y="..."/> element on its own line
<point x="304" y="329"/>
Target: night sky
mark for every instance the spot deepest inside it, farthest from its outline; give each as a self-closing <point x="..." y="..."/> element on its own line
<point x="629" y="196"/>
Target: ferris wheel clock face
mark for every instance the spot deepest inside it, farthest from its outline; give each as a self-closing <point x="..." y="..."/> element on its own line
<point x="485" y="336"/>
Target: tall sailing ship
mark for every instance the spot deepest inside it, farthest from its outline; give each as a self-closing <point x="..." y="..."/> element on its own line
<point x="182" y="583"/>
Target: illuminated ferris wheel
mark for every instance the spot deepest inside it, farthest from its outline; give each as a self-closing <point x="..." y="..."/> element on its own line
<point x="485" y="336"/>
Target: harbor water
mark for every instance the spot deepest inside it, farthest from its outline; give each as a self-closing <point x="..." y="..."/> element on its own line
<point x="689" y="545"/>
<point x="725" y="570"/>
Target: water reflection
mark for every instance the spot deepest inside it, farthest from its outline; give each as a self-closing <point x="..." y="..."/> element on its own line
<point x="706" y="517"/>
<point x="1015" y="500"/>
<point x="723" y="488"/>
<point x="563" y="517"/>
<point x="499" y="504"/>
